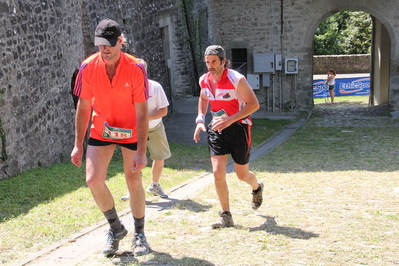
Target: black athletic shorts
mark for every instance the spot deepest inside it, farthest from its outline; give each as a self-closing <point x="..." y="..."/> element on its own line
<point x="96" y="142"/>
<point x="234" y="140"/>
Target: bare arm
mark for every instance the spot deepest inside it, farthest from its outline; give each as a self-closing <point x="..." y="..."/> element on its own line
<point x="246" y="93"/>
<point x="140" y="159"/>
<point x="161" y="112"/>
<point x="82" y="117"/>
<point x="202" y="109"/>
<point x="330" y="76"/>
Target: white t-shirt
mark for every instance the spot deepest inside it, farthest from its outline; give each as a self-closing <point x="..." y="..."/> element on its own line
<point x="332" y="81"/>
<point x="156" y="101"/>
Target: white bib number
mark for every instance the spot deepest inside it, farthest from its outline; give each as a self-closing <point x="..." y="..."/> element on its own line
<point x="115" y="132"/>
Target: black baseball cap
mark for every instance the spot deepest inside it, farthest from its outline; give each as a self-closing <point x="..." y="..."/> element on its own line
<point x="107" y="33"/>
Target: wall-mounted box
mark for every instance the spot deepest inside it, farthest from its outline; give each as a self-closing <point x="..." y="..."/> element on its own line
<point x="291" y="65"/>
<point x="253" y="81"/>
<point x="266" y="80"/>
<point x="278" y="61"/>
<point x="264" y="63"/>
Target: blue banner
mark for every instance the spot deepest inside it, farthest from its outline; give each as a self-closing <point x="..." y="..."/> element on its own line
<point x="343" y="87"/>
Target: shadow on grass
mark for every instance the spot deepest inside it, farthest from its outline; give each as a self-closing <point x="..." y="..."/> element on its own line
<point x="270" y="226"/>
<point x="159" y="258"/>
<point x="20" y="194"/>
<point x="162" y="258"/>
<point x="170" y="203"/>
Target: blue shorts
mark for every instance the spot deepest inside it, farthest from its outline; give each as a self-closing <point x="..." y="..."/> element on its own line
<point x="234" y="140"/>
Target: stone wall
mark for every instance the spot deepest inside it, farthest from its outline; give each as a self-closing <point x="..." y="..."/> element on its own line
<point x="42" y="41"/>
<point x="343" y="64"/>
<point x="287" y="28"/>
<point x="45" y="42"/>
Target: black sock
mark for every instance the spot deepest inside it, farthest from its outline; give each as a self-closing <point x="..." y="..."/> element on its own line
<point x="139" y="225"/>
<point x="113" y="219"/>
<point x="257" y="190"/>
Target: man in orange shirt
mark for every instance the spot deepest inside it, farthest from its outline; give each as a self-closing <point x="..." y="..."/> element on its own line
<point x="112" y="87"/>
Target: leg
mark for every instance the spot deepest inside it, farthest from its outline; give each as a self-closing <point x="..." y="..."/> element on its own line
<point x="137" y="202"/>
<point x="332" y="95"/>
<point x="97" y="161"/>
<point x="157" y="167"/>
<point x="134" y="184"/>
<point x="159" y="151"/>
<point x="243" y="173"/>
<point x="219" y="172"/>
<point x="155" y="188"/>
<point x="247" y="176"/>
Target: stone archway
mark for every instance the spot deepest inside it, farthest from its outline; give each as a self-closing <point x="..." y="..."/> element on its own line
<point x="380" y="55"/>
<point x="380" y="69"/>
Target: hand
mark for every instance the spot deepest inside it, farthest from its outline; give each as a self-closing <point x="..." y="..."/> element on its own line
<point x="200" y="126"/>
<point x="220" y="123"/>
<point x="139" y="162"/>
<point x="77" y="155"/>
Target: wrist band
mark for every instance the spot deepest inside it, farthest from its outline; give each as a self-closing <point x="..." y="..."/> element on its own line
<point x="200" y="118"/>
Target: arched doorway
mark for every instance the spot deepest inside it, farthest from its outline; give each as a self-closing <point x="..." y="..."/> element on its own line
<point x="379" y="64"/>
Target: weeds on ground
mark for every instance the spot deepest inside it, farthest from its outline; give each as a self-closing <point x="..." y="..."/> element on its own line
<point x="331" y="198"/>
<point x="42" y="206"/>
<point x="343" y="101"/>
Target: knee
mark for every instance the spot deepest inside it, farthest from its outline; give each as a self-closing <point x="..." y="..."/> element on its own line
<point x="219" y="174"/>
<point x="93" y="182"/>
<point x="245" y="176"/>
<point x="133" y="180"/>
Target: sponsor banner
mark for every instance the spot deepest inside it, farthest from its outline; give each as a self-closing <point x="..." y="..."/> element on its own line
<point x="343" y="87"/>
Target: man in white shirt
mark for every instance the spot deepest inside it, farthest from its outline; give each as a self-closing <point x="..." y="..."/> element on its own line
<point x="157" y="143"/>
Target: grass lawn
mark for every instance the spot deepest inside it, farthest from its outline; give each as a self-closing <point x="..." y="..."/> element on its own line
<point x="353" y="101"/>
<point x="331" y="198"/>
<point x="42" y="206"/>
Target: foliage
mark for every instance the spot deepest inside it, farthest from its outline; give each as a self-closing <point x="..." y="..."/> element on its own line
<point x="4" y="155"/>
<point x="347" y="32"/>
<point x="194" y="38"/>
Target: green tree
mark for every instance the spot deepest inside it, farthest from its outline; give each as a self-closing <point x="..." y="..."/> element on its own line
<point x="347" y="32"/>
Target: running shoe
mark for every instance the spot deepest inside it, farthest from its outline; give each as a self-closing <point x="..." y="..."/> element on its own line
<point x="226" y="220"/>
<point x="257" y="197"/>
<point x="156" y="190"/>
<point x="113" y="238"/>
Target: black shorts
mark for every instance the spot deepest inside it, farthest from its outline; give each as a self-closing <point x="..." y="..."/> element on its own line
<point x="234" y="140"/>
<point x="96" y="142"/>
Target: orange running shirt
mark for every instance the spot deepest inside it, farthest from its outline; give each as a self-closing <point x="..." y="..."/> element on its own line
<point x="113" y="103"/>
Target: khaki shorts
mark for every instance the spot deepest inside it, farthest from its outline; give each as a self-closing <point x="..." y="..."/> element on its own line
<point x="157" y="143"/>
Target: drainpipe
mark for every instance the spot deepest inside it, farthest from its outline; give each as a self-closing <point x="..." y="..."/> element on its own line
<point x="282" y="56"/>
<point x="192" y="47"/>
<point x="372" y="66"/>
<point x="272" y="75"/>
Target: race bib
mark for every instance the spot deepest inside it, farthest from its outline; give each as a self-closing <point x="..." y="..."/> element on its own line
<point x="115" y="132"/>
<point x="220" y="113"/>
